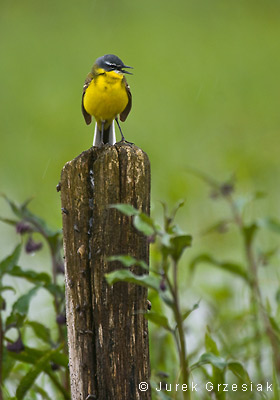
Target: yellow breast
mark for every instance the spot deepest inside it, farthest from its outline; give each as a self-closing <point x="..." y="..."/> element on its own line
<point x="106" y="97"/>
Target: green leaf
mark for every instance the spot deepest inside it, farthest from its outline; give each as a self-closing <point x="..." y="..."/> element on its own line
<point x="174" y="244"/>
<point x="9" y="262"/>
<point x="238" y="370"/>
<point x="179" y="244"/>
<point x="269" y="223"/>
<point x="55" y="290"/>
<point x="126" y="260"/>
<point x="266" y="256"/>
<point x="126" y="209"/>
<point x="60" y="358"/>
<point x="249" y="232"/>
<point x="59" y="386"/>
<point x="56" y="242"/>
<point x="167" y="219"/>
<point x="219" y="227"/>
<point x="14" y="207"/>
<point x="29" y="275"/>
<point x="178" y="205"/>
<point x="274" y="326"/>
<point x="218" y="362"/>
<point x="268" y="306"/>
<point x="38" y="223"/>
<point x="158" y="319"/>
<point x="14" y="319"/>
<point x="210" y="358"/>
<point x="166" y="242"/>
<point x="124" y="275"/>
<point x="30" y="356"/>
<point x="144" y="224"/>
<point x="204" y="177"/>
<point x="40" y="330"/>
<point x="186" y="313"/>
<point x="24" y="214"/>
<point x="235" y="269"/>
<point x="129" y="261"/>
<point x="9" y="221"/>
<point x="21" y="306"/>
<point x="166" y="297"/>
<point x="214" y="360"/>
<point x="28" y="380"/>
<point x="8" y="363"/>
<point x="275" y="382"/>
<point x="4" y="288"/>
<point x="277" y="296"/>
<point x="42" y="392"/>
<point x="210" y="344"/>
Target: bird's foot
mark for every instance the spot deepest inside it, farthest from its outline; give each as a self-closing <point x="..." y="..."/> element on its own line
<point x="123" y="140"/>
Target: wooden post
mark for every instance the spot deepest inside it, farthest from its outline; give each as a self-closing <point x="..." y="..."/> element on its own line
<point x="107" y="332"/>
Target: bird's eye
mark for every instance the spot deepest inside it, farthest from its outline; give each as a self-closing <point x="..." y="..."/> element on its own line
<point x="114" y="66"/>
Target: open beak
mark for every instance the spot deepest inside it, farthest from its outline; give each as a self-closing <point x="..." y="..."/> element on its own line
<point x="127" y="72"/>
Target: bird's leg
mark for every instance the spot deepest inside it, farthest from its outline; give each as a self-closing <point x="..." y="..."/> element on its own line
<point x="102" y="133"/>
<point x="123" y="138"/>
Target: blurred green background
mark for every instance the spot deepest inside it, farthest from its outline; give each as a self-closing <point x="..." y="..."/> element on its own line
<point x="205" y="88"/>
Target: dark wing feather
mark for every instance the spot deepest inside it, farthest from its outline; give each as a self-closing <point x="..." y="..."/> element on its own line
<point x="125" y="112"/>
<point x="87" y="116"/>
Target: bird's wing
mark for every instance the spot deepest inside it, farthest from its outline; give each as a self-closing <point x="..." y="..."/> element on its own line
<point x="125" y="112"/>
<point x="87" y="116"/>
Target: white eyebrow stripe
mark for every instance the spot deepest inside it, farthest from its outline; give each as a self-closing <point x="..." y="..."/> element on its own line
<point x="113" y="64"/>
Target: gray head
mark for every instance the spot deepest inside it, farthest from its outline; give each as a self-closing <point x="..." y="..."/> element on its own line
<point x="110" y="62"/>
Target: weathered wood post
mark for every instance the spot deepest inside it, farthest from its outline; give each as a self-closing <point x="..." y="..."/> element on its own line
<point x="107" y="332"/>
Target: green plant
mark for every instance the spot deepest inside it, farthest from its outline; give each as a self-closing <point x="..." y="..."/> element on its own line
<point x="266" y="328"/>
<point x="172" y="243"/>
<point x="239" y="347"/>
<point x="232" y="352"/>
<point x="18" y="360"/>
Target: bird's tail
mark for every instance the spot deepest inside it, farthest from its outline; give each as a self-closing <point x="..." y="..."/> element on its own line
<point x="109" y="135"/>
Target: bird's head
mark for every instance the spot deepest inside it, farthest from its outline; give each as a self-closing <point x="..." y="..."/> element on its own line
<point x="110" y="62"/>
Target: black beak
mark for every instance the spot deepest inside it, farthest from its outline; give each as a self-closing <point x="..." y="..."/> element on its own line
<point x="126" y="72"/>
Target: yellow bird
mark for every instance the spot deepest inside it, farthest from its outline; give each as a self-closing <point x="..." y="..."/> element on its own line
<point x="106" y="95"/>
